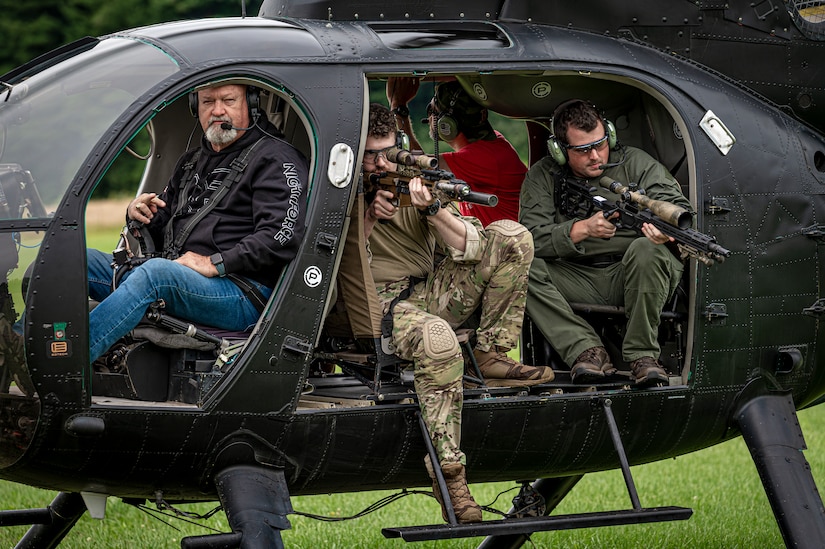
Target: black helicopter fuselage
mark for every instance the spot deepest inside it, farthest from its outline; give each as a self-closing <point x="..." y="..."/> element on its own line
<point x="754" y="174"/>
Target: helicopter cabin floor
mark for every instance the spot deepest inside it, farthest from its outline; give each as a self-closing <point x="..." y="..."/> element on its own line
<point x="118" y="401"/>
<point x="115" y="401"/>
<point x="345" y="391"/>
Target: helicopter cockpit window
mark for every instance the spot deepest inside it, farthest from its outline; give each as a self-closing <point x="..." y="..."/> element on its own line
<point x="66" y="109"/>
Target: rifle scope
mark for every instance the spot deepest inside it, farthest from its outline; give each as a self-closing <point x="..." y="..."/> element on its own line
<point x="406" y="158"/>
<point x="671" y="213"/>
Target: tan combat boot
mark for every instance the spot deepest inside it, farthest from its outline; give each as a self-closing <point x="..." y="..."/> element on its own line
<point x="465" y="507"/>
<point x="499" y="370"/>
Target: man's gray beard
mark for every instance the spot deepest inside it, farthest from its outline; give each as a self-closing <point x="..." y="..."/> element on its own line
<point x="219" y="136"/>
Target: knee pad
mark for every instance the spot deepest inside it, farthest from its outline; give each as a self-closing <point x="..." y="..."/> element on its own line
<point x="506" y="227"/>
<point x="512" y="238"/>
<point x="440" y="342"/>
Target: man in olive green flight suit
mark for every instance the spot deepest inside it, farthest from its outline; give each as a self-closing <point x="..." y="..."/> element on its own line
<point x="588" y="259"/>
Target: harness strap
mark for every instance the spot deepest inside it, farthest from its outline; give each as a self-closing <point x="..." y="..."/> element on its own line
<point x="183" y="199"/>
<point x="252" y="292"/>
<point x="386" y="322"/>
<point x="171" y="247"/>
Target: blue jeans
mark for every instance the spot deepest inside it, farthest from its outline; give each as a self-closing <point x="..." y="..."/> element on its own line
<point x="188" y="295"/>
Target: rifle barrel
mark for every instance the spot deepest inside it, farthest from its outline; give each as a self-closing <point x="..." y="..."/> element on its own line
<point x="483" y="199"/>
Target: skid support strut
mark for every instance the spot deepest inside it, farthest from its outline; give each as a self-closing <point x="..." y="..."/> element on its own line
<point x="50" y="525"/>
<point x="256" y="502"/>
<point x="771" y="430"/>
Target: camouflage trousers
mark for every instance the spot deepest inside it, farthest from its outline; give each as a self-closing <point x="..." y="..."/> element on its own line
<point x="423" y="324"/>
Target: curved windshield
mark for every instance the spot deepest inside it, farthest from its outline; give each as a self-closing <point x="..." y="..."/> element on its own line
<point x="50" y="121"/>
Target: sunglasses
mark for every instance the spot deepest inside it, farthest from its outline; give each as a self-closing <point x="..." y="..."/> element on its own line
<point x="371" y="155"/>
<point x="585" y="149"/>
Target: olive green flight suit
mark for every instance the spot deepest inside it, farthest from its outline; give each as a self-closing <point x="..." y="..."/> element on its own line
<point x="641" y="281"/>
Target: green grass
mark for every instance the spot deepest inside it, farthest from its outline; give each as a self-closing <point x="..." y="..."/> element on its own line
<point x="720" y="484"/>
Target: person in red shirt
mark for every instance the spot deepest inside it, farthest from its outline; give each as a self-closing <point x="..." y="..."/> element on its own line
<point x="481" y="156"/>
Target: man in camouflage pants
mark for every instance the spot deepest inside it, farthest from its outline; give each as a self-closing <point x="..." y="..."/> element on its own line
<point x="483" y="267"/>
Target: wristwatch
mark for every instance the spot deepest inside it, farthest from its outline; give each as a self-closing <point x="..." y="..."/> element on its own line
<point x="433" y="208"/>
<point x="402" y="110"/>
<point x="217" y="261"/>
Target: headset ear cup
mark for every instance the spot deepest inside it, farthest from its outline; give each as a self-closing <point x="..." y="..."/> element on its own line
<point x="610" y="130"/>
<point x="193" y="103"/>
<point x="447" y="128"/>
<point x="556" y="151"/>
<point x="253" y="102"/>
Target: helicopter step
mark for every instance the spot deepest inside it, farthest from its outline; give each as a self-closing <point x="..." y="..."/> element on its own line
<point x="527" y="525"/>
<point x="512" y="532"/>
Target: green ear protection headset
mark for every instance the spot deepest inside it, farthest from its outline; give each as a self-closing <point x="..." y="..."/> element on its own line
<point x="557" y="149"/>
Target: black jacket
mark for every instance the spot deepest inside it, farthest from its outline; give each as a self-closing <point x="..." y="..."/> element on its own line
<point x="259" y="224"/>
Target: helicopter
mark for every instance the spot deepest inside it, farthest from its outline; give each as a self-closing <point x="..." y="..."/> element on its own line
<point x="309" y="401"/>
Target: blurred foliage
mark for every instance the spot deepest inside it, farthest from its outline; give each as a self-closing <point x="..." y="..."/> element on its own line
<point x="32" y="28"/>
<point x="125" y="173"/>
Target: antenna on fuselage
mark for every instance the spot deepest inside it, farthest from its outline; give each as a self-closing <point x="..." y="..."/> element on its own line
<point x="243" y="8"/>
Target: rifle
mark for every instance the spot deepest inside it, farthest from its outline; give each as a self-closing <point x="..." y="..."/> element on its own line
<point x="635" y="208"/>
<point x="412" y="165"/>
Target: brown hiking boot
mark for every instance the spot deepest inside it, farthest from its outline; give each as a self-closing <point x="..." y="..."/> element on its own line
<point x="648" y="372"/>
<point x="464" y="506"/>
<point x="499" y="370"/>
<point x="592" y="365"/>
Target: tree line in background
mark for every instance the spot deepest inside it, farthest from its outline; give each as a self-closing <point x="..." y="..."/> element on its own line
<point x="33" y="27"/>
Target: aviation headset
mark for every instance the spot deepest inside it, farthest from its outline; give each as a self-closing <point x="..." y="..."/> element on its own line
<point x="447" y="123"/>
<point x="556" y="148"/>
<point x="253" y="103"/>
